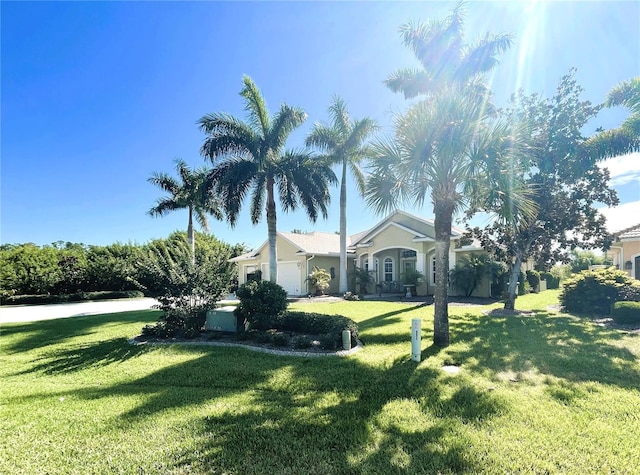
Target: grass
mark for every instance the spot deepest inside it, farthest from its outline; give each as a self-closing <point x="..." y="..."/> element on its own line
<point x="548" y="393"/>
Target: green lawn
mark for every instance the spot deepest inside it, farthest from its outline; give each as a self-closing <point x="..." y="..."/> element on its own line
<point x="541" y="394"/>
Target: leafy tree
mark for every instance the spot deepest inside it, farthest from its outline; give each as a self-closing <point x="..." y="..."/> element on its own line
<point x="251" y="158"/>
<point x="166" y="271"/>
<point x="29" y="269"/>
<point x="468" y="273"/>
<point x="112" y="267"/>
<point x="189" y="193"/>
<point x="342" y="143"/>
<point x="565" y="183"/>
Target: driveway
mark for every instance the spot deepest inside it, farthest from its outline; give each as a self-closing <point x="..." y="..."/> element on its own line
<point x="31" y="313"/>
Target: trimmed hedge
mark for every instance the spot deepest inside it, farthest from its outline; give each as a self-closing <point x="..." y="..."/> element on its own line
<point x="329" y="327"/>
<point x="594" y="292"/>
<point x="553" y="282"/>
<point x="626" y="312"/>
<point x="77" y="297"/>
<point x="261" y="304"/>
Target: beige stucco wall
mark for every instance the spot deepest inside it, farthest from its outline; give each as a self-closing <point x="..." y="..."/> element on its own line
<point x="326" y="263"/>
<point x="631" y="250"/>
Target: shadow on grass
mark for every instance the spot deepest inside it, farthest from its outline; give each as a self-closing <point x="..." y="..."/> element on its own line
<point x="80" y="357"/>
<point x="32" y="335"/>
<point x="562" y="346"/>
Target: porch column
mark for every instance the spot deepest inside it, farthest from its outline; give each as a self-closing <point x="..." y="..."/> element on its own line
<point x="371" y="268"/>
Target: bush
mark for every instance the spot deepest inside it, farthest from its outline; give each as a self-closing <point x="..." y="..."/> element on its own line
<point x="319" y="279"/>
<point x="351" y="296"/>
<point x="77" y="297"/>
<point x="596" y="291"/>
<point x="533" y="277"/>
<point x="553" y="281"/>
<point x="328" y="327"/>
<point x="468" y="273"/>
<point x="261" y="304"/>
<point x="626" y="312"/>
<point x="178" y="322"/>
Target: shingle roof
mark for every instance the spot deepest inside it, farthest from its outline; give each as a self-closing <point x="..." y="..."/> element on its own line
<point x="629" y="233"/>
<point x="316" y="242"/>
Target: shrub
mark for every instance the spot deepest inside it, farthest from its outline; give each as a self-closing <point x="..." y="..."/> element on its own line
<point x="533" y="277"/>
<point x="596" y="291"/>
<point x="77" y="297"/>
<point x="261" y="304"/>
<point x="280" y="339"/>
<point x="626" y="312"/>
<point x="302" y="341"/>
<point x="351" y="296"/>
<point x="329" y="327"/>
<point x="553" y="281"/>
<point x="178" y="322"/>
<point x="319" y="279"/>
<point x="468" y="273"/>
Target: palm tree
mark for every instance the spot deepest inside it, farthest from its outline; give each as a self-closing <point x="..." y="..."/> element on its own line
<point x="342" y="144"/>
<point x="436" y="150"/>
<point x="444" y="56"/>
<point x="626" y="138"/>
<point x="444" y="150"/>
<point x="250" y="158"/>
<point x="188" y="193"/>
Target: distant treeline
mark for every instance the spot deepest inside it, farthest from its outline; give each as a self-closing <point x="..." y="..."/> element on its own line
<point x="71" y="268"/>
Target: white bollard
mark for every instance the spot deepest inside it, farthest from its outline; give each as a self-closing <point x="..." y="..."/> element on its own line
<point x="346" y="340"/>
<point x="416" y="335"/>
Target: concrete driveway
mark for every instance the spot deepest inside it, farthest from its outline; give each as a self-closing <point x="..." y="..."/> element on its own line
<point x="32" y="313"/>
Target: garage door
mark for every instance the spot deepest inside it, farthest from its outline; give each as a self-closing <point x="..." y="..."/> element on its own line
<point x="289" y="277"/>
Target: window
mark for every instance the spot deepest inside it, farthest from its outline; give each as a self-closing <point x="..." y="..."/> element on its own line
<point x="408" y="266"/>
<point x="388" y="269"/>
<point x="433" y="270"/>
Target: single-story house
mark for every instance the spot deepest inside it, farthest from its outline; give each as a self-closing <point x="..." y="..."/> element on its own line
<point x="625" y="251"/>
<point x="399" y="243"/>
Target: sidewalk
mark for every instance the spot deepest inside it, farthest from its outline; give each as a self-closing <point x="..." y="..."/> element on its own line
<point x="31" y="313"/>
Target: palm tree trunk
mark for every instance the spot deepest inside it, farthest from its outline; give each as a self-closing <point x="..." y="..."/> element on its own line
<point x="271" y="232"/>
<point x="442" y="225"/>
<point x="191" y="237"/>
<point x="343" y="229"/>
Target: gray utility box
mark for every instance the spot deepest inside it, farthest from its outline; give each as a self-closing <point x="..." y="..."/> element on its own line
<point x="221" y="319"/>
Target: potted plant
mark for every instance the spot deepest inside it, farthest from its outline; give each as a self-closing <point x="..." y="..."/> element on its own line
<point x="319" y="279"/>
<point x="363" y="279"/>
<point x="410" y="280"/>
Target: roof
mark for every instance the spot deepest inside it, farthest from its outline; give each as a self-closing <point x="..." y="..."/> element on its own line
<point x="315" y="242"/>
<point x="629" y="234"/>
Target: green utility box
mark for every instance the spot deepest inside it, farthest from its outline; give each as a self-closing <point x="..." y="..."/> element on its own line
<point x="221" y="319"/>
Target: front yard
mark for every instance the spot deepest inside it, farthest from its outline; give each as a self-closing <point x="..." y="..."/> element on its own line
<point x="545" y="393"/>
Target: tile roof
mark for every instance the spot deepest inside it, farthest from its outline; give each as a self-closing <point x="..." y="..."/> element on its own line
<point x="632" y="232"/>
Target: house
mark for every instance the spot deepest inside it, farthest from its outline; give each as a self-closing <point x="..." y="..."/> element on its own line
<point x="399" y="243"/>
<point x="625" y="251"/>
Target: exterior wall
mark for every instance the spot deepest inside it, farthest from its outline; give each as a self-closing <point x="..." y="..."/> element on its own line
<point x="326" y="263"/>
<point x="631" y="250"/>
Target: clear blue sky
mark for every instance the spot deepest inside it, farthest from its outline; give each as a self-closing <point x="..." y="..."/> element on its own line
<point x="97" y="95"/>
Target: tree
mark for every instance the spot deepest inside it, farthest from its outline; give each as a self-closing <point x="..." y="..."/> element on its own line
<point x="566" y="183"/>
<point x="189" y="193"/>
<point x="626" y="138"/>
<point x="444" y="56"/>
<point x="342" y="143"/>
<point x="439" y="149"/>
<point x="249" y="157"/>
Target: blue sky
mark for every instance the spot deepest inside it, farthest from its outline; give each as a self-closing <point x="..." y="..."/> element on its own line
<point x="97" y="95"/>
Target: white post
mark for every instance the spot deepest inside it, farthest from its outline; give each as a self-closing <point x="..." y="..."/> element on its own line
<point x="415" y="339"/>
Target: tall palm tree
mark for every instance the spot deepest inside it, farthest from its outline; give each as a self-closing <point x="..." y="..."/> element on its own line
<point x="444" y="151"/>
<point x="189" y="192"/>
<point x="434" y="139"/>
<point x="445" y="58"/>
<point x="342" y="143"/>
<point x="250" y="158"/>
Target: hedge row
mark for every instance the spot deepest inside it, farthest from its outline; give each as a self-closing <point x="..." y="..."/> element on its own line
<point x="77" y="297"/>
<point x="319" y="324"/>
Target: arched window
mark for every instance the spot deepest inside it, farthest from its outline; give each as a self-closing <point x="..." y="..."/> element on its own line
<point x="388" y="269"/>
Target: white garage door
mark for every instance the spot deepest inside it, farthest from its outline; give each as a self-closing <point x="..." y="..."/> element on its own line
<point x="289" y="277"/>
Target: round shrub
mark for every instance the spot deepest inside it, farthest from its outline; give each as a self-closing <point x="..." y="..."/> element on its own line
<point x="626" y="312"/>
<point x="261" y="304"/>
<point x="328" y="327"/>
<point x="594" y="292"/>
